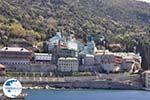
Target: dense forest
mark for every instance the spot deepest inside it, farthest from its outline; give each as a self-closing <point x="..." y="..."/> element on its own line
<point x="119" y="21"/>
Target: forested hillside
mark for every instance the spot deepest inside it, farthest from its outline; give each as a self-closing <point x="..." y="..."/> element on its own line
<point x="119" y="21"/>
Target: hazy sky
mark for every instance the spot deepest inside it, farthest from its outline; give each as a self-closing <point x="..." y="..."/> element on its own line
<point x="145" y="0"/>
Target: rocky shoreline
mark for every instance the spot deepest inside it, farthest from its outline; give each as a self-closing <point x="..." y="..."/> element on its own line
<point x="123" y="82"/>
<point x="85" y="85"/>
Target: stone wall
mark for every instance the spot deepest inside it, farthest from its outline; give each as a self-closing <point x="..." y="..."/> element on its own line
<point x="31" y="67"/>
<point x="50" y="79"/>
<point x="76" y="82"/>
<point x="92" y="85"/>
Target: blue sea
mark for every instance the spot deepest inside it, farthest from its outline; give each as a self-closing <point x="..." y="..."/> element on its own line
<point x="87" y="95"/>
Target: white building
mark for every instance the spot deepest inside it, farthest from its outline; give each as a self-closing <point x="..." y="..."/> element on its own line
<point x="130" y="62"/>
<point x="146" y="78"/>
<point x="68" y="64"/>
<point x="88" y="60"/>
<point x="121" y="61"/>
<point x="43" y="57"/>
<point x="72" y="43"/>
<point x="107" y="61"/>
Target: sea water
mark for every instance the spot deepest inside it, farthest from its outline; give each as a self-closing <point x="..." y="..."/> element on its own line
<point x="87" y="95"/>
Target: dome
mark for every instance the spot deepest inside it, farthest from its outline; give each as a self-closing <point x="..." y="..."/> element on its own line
<point x="55" y="40"/>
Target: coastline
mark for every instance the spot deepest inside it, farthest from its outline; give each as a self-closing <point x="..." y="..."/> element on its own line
<point x="82" y="85"/>
<point x="123" y="82"/>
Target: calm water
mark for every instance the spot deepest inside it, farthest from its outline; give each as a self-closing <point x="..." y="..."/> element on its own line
<point x="87" y="95"/>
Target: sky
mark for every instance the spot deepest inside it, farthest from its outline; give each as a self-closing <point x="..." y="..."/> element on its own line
<point x="148" y="1"/>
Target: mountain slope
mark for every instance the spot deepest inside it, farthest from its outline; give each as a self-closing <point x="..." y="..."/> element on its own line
<point x="70" y="12"/>
<point x="123" y="21"/>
